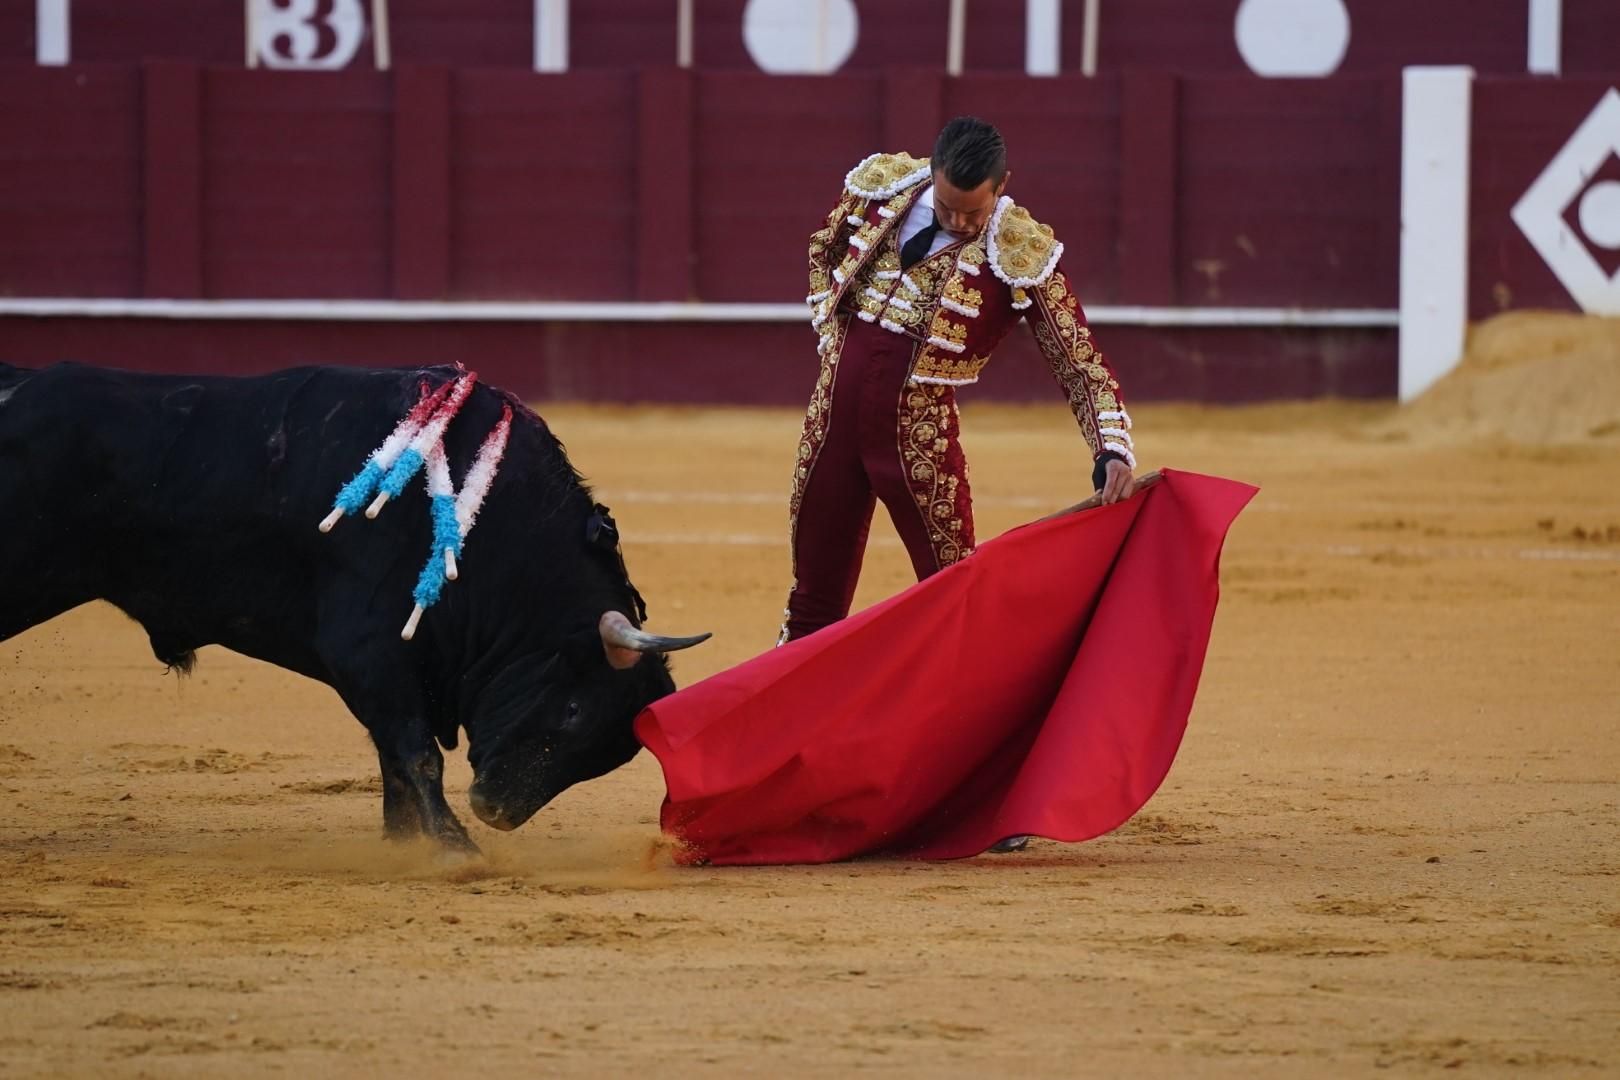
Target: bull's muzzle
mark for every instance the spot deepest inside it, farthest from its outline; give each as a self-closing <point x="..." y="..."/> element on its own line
<point x="490" y="813"/>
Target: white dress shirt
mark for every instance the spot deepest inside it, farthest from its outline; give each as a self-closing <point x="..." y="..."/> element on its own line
<point x="921" y="213"/>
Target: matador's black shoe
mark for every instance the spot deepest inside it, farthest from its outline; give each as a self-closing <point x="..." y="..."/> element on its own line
<point x="1011" y="843"/>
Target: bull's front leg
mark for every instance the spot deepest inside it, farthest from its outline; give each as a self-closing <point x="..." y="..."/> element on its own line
<point x="402" y="819"/>
<point x="413" y="791"/>
<point x="377" y="682"/>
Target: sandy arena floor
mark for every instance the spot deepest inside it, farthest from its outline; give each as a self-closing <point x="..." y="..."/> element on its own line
<point x="1391" y="843"/>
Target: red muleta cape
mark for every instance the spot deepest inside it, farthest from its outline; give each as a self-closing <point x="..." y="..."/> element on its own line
<point x="1040" y="686"/>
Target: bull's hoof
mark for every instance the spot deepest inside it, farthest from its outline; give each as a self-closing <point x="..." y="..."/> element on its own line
<point x="452" y="837"/>
<point x="454" y="858"/>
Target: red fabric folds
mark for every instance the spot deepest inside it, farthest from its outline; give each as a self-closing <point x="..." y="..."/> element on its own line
<point x="1040" y="686"/>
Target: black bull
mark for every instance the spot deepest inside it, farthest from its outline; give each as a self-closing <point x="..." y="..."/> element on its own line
<point x="191" y="503"/>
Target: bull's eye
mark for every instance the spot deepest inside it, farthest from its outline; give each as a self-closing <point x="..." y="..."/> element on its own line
<point x="573" y="711"/>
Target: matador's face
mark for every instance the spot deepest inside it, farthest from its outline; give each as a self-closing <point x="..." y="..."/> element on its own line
<point x="963" y="213"/>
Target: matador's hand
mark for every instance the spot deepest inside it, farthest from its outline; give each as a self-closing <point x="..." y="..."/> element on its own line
<point x="1119" y="483"/>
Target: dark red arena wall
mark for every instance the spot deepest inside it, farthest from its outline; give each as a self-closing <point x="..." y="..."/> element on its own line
<point x="465" y="33"/>
<point x="473" y="33"/>
<point x="1591" y="40"/>
<point x="121" y="31"/>
<point x="1175" y="178"/>
<point x="543" y="176"/>
<point x="428" y="183"/>
<point x="1285" y="192"/>
<point x="1517" y="129"/>
<point x="1184" y="36"/>
<point x="294" y="184"/>
<point x="1196" y="37"/>
<point x="1490" y="35"/>
<point x="763" y="175"/>
<point x="16" y="30"/>
<point x="1065" y="139"/>
<point x="71" y="187"/>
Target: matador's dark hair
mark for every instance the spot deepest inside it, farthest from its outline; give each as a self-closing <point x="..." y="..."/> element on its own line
<point x="969" y="152"/>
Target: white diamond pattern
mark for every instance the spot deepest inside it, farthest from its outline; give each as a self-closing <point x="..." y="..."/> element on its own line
<point x="1539" y="213"/>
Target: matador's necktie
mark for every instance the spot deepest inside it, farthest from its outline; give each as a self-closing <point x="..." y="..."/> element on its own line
<point x="917" y="247"/>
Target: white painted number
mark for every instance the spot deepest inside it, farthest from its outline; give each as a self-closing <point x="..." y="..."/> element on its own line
<point x="307" y="33"/>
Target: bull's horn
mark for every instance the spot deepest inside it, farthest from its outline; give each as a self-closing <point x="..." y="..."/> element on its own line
<point x="619" y="635"/>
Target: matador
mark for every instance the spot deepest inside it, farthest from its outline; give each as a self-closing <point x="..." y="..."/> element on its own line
<point x="923" y="267"/>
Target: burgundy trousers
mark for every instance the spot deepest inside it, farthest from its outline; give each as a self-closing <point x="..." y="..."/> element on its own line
<point x="869" y="436"/>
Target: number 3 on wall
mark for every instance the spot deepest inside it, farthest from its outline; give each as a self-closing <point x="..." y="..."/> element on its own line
<point x="309" y="34"/>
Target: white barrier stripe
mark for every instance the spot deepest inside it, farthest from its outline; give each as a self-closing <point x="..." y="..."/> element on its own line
<point x="568" y="311"/>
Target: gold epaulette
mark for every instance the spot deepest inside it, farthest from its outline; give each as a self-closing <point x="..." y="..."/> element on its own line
<point x="1023" y="252"/>
<point x="883" y="176"/>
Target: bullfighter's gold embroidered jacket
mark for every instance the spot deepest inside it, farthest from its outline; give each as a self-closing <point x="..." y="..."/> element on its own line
<point x="957" y="310"/>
